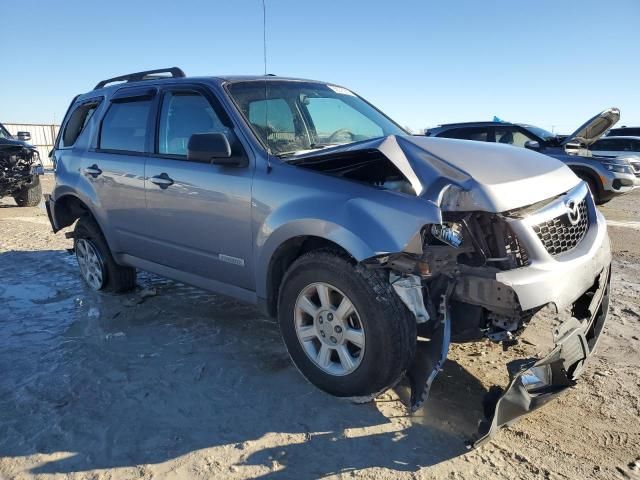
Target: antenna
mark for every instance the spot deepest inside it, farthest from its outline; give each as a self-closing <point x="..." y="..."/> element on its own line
<point x="266" y="101"/>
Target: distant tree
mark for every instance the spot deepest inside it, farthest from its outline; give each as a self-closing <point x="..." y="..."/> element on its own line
<point x="409" y="129"/>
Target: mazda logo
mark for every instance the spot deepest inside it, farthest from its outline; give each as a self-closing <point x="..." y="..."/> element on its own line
<point x="573" y="212"/>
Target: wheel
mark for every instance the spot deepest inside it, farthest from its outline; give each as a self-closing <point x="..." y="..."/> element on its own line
<point x="97" y="266"/>
<point x="30" y="195"/>
<point x="345" y="328"/>
<point x="593" y="188"/>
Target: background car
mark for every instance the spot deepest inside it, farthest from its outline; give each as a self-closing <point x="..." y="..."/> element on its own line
<point x="20" y="167"/>
<point x="624" y="131"/>
<point x="606" y="177"/>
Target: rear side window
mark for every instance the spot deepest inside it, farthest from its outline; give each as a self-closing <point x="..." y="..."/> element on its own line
<point x="607" y="145"/>
<point x="77" y="121"/>
<point x="124" y="126"/>
<point x="478" y="134"/>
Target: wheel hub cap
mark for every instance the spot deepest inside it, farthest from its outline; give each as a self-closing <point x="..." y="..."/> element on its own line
<point x="90" y="262"/>
<point x="329" y="329"/>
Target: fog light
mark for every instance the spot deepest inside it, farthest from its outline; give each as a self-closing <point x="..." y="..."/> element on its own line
<point x="449" y="233"/>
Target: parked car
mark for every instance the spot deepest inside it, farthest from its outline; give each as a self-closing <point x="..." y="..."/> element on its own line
<point x="606" y="177"/>
<point x="302" y="198"/>
<point x="619" y="147"/>
<point x="624" y="131"/>
<point x="20" y="169"/>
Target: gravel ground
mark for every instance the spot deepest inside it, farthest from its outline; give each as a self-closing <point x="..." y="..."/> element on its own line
<point x="170" y="381"/>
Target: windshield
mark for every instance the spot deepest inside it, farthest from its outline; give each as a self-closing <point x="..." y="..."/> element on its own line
<point x="4" y="133"/>
<point x="540" y="132"/>
<point x="294" y="117"/>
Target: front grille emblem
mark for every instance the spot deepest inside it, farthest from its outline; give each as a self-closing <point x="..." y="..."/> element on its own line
<point x="573" y="212"/>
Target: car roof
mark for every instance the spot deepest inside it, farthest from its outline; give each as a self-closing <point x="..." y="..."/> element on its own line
<point x="621" y="137"/>
<point x="217" y="79"/>
<point x="474" y="124"/>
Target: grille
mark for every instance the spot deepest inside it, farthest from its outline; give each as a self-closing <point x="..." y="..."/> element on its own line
<point x="559" y="236"/>
<point x="636" y="168"/>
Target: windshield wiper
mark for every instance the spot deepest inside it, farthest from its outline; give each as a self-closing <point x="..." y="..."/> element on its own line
<point x="315" y="146"/>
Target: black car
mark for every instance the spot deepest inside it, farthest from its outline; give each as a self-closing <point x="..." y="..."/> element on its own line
<point x="624" y="131"/>
<point x="20" y="169"/>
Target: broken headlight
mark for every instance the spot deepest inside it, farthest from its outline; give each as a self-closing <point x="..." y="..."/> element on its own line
<point x="449" y="233"/>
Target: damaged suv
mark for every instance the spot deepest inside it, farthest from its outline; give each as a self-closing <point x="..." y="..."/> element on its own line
<point x="373" y="248"/>
<point x="20" y="169"/>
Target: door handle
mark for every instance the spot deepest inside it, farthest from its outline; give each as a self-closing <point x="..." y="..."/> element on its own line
<point x="163" y="180"/>
<point x="93" y="170"/>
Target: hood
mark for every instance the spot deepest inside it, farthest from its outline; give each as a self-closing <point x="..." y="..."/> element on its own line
<point x="487" y="176"/>
<point x="594" y="128"/>
<point x="14" y="142"/>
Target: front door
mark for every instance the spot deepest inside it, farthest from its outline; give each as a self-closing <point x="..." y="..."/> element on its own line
<point x="198" y="214"/>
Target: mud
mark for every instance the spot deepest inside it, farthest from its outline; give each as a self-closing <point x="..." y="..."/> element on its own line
<point x="172" y="382"/>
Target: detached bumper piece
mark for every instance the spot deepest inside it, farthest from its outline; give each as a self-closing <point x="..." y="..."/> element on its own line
<point x="539" y="381"/>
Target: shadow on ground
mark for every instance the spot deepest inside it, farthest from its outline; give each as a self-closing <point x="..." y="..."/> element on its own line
<point x="144" y="378"/>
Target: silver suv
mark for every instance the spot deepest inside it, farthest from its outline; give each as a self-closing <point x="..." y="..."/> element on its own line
<point x="373" y="248"/>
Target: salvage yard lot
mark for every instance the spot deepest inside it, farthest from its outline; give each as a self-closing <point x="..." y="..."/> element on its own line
<point x="171" y="381"/>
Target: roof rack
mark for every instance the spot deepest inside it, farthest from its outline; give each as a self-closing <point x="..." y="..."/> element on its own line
<point x="146" y="75"/>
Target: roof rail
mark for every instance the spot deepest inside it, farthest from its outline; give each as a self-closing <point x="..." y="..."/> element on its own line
<point x="146" y="75"/>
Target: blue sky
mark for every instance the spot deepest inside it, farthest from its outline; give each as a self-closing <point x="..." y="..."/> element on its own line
<point x="549" y="63"/>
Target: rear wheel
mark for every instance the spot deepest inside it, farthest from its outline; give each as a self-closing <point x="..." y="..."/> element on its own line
<point x="97" y="266"/>
<point x="344" y="326"/>
<point x="30" y="195"/>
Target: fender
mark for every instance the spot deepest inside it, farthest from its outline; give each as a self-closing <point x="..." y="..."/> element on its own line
<point x="364" y="227"/>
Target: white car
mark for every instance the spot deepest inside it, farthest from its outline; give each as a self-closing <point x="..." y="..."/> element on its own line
<point x="620" y="147"/>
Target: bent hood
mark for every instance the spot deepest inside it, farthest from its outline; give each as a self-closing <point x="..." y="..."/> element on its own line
<point x="594" y="128"/>
<point x="486" y="176"/>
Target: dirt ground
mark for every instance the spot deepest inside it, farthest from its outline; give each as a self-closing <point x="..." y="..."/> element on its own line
<point x="173" y="382"/>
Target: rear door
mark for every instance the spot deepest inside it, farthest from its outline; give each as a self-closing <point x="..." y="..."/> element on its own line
<point x="198" y="214"/>
<point x="114" y="169"/>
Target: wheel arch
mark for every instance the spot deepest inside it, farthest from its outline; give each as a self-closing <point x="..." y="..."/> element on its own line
<point x="69" y="207"/>
<point x="582" y="171"/>
<point x="271" y="270"/>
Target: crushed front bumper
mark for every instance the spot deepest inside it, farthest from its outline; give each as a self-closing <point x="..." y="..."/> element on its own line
<point x="539" y="380"/>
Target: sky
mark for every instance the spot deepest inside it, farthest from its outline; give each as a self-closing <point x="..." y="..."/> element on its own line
<point x="549" y="63"/>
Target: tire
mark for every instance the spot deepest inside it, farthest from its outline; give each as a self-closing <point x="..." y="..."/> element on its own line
<point x="104" y="274"/>
<point x="593" y="187"/>
<point x="388" y="328"/>
<point x="30" y="195"/>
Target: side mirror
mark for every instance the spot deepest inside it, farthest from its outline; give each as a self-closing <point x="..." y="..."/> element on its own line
<point x="24" y="136"/>
<point x="532" y="145"/>
<point x="212" y="148"/>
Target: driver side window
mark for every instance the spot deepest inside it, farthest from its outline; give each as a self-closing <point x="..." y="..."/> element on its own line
<point x="182" y="115"/>
<point x="511" y="136"/>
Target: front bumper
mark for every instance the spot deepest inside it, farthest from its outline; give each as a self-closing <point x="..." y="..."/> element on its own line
<point x="539" y="381"/>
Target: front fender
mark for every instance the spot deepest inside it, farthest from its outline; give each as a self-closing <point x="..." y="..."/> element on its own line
<point x="363" y="227"/>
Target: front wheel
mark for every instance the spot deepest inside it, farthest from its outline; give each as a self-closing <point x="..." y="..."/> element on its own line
<point x="345" y="328"/>
<point x="30" y="195"/>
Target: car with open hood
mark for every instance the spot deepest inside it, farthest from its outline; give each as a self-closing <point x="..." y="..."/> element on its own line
<point x="373" y="248"/>
<point x="20" y="169"/>
<point x="607" y="177"/>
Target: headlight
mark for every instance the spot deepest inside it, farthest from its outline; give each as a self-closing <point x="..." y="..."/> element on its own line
<point x="618" y="167"/>
<point x="449" y="233"/>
